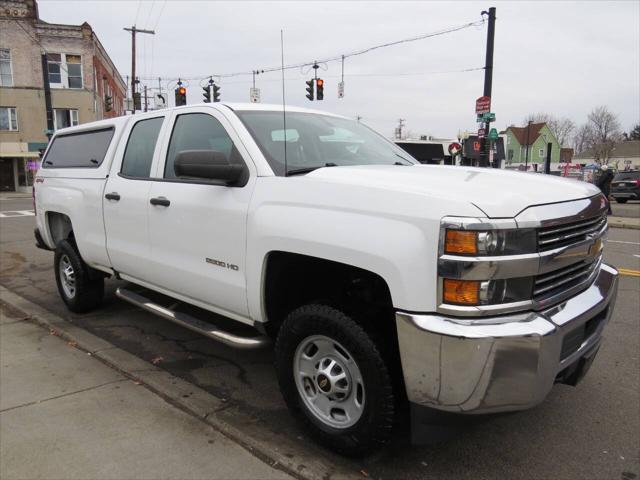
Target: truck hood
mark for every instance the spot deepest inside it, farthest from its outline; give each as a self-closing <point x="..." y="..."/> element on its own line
<point x="498" y="193"/>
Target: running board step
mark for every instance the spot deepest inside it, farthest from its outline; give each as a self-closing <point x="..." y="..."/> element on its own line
<point x="185" y="320"/>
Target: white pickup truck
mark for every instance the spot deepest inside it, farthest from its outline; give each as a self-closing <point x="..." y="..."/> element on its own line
<point x="382" y="282"/>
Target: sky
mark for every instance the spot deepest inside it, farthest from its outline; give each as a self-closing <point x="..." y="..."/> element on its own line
<point x="561" y="58"/>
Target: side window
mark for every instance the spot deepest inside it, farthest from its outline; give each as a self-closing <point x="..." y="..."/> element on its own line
<point x="84" y="149"/>
<point x="139" y="152"/>
<point x="199" y="131"/>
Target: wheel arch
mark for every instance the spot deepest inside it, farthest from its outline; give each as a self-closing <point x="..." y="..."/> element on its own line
<point x="290" y="280"/>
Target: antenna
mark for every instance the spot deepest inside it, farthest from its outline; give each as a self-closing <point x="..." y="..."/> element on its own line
<point x="284" y="112"/>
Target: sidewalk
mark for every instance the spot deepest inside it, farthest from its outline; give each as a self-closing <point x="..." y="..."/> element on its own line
<point x="65" y="414"/>
<point x="14" y="195"/>
<point x="624" y="222"/>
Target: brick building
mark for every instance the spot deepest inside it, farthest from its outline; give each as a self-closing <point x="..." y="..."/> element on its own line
<point x="84" y="85"/>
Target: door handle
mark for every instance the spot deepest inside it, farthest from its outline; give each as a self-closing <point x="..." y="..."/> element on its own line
<point x="112" y="196"/>
<point x="160" y="201"/>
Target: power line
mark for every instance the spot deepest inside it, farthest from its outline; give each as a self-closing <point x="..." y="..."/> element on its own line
<point x="164" y="4"/>
<point x="361" y="52"/>
<point x="137" y="12"/>
<point x="402" y="74"/>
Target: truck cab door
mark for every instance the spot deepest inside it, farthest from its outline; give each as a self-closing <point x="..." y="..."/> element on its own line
<point x="126" y="199"/>
<point x="198" y="228"/>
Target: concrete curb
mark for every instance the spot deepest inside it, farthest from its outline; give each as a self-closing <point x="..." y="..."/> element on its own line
<point x="624" y="222"/>
<point x="180" y="393"/>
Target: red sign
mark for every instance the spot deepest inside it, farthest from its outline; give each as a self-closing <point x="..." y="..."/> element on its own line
<point x="476" y="146"/>
<point x="454" y="148"/>
<point x="482" y="133"/>
<point x="483" y="105"/>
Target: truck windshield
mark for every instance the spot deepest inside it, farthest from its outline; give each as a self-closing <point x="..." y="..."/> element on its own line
<point x="315" y="141"/>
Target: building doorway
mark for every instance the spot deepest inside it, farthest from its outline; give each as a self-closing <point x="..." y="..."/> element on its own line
<point x="7" y="179"/>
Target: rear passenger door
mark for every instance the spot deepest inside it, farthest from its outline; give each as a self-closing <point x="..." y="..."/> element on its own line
<point x="198" y="233"/>
<point x="126" y="200"/>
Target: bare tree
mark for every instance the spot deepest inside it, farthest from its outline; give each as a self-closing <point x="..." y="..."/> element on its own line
<point x="605" y="132"/>
<point x="561" y="127"/>
<point x="582" y="140"/>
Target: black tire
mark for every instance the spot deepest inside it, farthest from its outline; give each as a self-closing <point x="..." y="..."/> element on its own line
<point x="375" y="424"/>
<point x="621" y="200"/>
<point x="88" y="285"/>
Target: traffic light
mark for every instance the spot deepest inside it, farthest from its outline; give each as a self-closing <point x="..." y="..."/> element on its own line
<point x="181" y="96"/>
<point x="207" y="94"/>
<point x="320" y="89"/>
<point x="108" y="103"/>
<point x="216" y="92"/>
<point x="309" y="89"/>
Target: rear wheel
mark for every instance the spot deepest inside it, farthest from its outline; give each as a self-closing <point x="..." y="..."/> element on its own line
<point x="79" y="287"/>
<point x="621" y="200"/>
<point x="333" y="378"/>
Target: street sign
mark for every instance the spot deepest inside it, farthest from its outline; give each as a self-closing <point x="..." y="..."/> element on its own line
<point x="482" y="133"/>
<point x="341" y="90"/>
<point x="486" y="117"/>
<point x="454" y="148"/>
<point x="493" y="134"/>
<point x="483" y="105"/>
<point x="254" y="95"/>
<point x="161" y="100"/>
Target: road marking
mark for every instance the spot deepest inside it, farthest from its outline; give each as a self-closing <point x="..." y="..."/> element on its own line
<point x="17" y="213"/>
<point x="638" y="256"/>
<point x="620" y="241"/>
<point x="629" y="273"/>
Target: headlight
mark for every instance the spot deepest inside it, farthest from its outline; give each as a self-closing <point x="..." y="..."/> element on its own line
<point x="490" y="242"/>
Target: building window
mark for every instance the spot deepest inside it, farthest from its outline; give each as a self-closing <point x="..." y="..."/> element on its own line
<point x="65" y="70"/>
<point x="6" y="73"/>
<point x="541" y="153"/>
<point x="510" y="155"/>
<point x="65" y="117"/>
<point x="8" y="119"/>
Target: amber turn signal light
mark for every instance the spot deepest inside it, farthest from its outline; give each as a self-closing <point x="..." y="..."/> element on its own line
<point x="461" y="241"/>
<point x="461" y="292"/>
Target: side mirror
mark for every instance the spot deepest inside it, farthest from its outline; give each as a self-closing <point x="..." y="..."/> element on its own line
<point x="208" y="165"/>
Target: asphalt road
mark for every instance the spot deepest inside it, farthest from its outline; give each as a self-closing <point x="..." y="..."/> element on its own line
<point x="590" y="431"/>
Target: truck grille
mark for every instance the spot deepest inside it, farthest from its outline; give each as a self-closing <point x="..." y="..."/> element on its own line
<point x="549" y="284"/>
<point x="570" y="233"/>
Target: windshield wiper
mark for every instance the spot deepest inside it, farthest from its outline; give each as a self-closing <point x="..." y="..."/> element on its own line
<point x="302" y="171"/>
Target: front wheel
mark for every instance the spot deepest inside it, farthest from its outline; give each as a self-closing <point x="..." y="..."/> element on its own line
<point x="333" y="378"/>
<point x="78" y="288"/>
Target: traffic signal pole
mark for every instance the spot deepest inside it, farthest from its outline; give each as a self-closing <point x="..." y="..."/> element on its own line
<point x="488" y="79"/>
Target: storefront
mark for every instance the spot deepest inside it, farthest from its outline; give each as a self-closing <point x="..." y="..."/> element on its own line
<point x="17" y="171"/>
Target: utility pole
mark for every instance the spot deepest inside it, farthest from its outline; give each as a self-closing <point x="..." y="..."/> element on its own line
<point x="146" y="101"/>
<point x="133" y="31"/>
<point x="399" y="129"/>
<point x="488" y="80"/>
<point x="526" y="158"/>
<point x="47" y="96"/>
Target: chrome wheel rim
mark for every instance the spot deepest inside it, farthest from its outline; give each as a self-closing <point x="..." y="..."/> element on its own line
<point x="67" y="276"/>
<point x="329" y="381"/>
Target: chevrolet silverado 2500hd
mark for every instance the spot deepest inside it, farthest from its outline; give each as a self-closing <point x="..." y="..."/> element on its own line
<point x="381" y="281"/>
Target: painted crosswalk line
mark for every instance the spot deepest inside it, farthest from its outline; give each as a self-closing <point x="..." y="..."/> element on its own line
<point x="17" y="213"/>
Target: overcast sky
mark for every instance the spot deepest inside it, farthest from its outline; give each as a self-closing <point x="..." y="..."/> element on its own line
<point x="563" y="58"/>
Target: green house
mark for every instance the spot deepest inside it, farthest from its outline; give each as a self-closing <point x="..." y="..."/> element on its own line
<point x="529" y="144"/>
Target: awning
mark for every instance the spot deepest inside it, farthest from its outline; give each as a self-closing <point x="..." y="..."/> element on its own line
<point x="20" y="155"/>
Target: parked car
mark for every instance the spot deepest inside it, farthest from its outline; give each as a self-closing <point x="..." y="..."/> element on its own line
<point x="626" y="186"/>
<point x="385" y="285"/>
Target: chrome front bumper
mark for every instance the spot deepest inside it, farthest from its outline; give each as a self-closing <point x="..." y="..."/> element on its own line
<point x="506" y="363"/>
